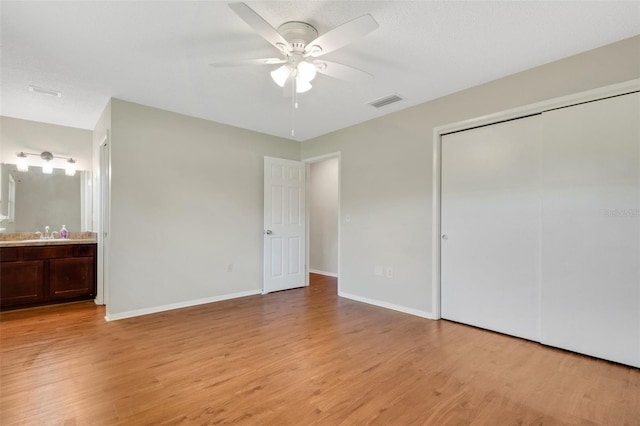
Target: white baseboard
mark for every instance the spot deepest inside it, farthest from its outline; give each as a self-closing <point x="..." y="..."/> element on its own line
<point x="328" y="274"/>
<point x="155" y="309"/>
<point x="399" y="308"/>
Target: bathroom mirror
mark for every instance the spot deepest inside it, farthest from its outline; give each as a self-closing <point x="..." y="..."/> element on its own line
<point x="31" y="200"/>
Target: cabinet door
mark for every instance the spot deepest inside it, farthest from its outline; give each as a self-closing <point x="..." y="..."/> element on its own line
<point x="21" y="282"/>
<point x="71" y="277"/>
<point x="591" y="229"/>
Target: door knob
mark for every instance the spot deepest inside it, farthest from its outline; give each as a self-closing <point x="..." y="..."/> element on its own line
<point x="445" y="237"/>
<point x="268" y="232"/>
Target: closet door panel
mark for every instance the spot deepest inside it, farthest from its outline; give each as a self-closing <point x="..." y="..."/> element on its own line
<point x="591" y="229"/>
<point x="490" y="267"/>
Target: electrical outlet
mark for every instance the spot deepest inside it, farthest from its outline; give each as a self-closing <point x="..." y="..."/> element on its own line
<point x="347" y="217"/>
<point x="389" y="272"/>
<point x="377" y="270"/>
<point x="230" y="267"/>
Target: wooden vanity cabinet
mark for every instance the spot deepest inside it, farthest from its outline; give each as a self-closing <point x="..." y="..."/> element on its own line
<point x="34" y="275"/>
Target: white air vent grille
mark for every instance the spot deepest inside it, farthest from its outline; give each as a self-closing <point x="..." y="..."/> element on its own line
<point x="390" y="99"/>
<point x="43" y="91"/>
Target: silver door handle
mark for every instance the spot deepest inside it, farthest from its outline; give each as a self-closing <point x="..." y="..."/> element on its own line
<point x="268" y="232"/>
<point x="445" y="237"/>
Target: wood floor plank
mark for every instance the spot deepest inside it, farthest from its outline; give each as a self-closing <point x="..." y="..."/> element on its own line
<point x="297" y="357"/>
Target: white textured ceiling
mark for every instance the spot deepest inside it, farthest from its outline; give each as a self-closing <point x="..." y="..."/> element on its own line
<point x="157" y="54"/>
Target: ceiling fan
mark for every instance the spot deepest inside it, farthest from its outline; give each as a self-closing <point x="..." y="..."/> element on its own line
<point x="300" y="47"/>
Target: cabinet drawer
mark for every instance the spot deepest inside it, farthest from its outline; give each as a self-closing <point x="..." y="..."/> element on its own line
<point x="84" y="250"/>
<point x="8" y="254"/>
<point x="47" y="252"/>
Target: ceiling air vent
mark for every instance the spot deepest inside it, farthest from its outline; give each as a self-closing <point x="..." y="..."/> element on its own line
<point x="390" y="99"/>
<point x="43" y="91"/>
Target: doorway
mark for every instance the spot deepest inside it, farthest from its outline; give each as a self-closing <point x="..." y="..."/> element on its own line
<point x="323" y="207"/>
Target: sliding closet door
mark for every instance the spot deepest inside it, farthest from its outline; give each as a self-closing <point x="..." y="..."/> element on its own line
<point x="490" y="270"/>
<point x="591" y="229"/>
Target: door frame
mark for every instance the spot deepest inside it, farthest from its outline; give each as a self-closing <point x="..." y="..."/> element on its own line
<point x="308" y="162"/>
<point x="103" y="194"/>
<point x="510" y="114"/>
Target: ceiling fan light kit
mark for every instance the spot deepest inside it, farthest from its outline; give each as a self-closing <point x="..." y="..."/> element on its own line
<point x="304" y="73"/>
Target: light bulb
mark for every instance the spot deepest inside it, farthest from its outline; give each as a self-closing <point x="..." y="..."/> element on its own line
<point x="281" y="75"/>
<point x="21" y="164"/>
<point x="302" y="85"/>
<point x="47" y="168"/>
<point x="306" y="71"/>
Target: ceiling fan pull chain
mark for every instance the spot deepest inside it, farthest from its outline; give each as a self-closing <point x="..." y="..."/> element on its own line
<point x="293" y="106"/>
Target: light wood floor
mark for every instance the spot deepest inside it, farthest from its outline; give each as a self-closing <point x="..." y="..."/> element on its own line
<point x="294" y="358"/>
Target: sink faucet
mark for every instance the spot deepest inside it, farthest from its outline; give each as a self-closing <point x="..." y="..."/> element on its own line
<point x="47" y="235"/>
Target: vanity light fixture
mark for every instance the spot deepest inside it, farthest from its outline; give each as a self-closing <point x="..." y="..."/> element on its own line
<point x="47" y="165"/>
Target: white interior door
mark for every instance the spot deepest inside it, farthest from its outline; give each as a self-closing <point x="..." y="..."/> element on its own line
<point x="490" y="247"/>
<point x="591" y="229"/>
<point x="284" y="224"/>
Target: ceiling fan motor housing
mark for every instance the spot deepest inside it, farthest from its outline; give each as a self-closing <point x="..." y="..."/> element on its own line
<point x="298" y="34"/>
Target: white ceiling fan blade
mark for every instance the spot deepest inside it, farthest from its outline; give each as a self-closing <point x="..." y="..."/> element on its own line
<point x="248" y="62"/>
<point x="261" y="26"/>
<point x="342" y="72"/>
<point x="342" y="35"/>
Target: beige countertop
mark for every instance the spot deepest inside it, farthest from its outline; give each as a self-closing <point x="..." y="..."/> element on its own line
<point x="43" y="242"/>
<point x="22" y="239"/>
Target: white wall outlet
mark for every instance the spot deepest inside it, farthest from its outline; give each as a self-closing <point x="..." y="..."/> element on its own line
<point x="389" y="272"/>
<point x="347" y="217"/>
<point x="377" y="270"/>
<point x="230" y="267"/>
